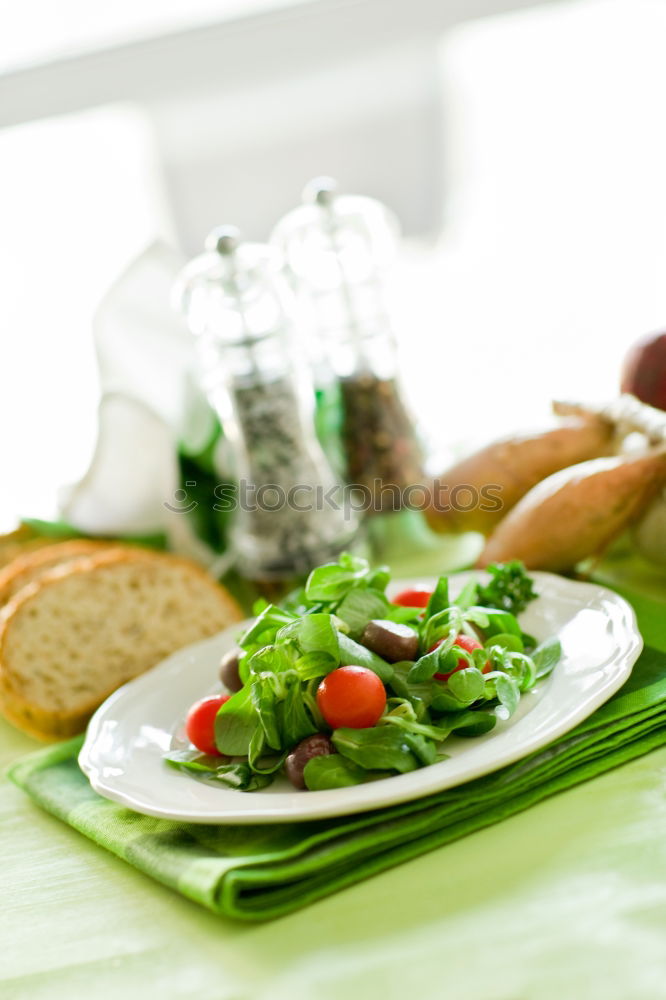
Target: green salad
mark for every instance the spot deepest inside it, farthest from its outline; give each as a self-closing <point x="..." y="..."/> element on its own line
<point x="340" y="684"/>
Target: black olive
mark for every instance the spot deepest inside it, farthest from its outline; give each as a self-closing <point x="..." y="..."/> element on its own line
<point x="390" y="640"/>
<point x="229" y="674"/>
<point x="317" y="745"/>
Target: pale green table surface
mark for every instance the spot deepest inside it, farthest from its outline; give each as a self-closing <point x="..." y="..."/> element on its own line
<point x="566" y="901"/>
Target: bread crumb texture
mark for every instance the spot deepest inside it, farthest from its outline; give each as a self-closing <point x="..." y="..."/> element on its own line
<point x="79" y="631"/>
<point x="31" y="565"/>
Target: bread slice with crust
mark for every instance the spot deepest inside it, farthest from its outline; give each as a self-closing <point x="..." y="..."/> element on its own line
<point x="20" y="541"/>
<point x="79" y="631"/>
<point x="30" y="565"/>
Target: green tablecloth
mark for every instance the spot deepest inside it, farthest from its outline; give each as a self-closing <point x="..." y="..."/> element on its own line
<point x="565" y="900"/>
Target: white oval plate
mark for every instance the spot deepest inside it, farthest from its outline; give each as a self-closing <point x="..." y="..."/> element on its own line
<point x="130" y="732"/>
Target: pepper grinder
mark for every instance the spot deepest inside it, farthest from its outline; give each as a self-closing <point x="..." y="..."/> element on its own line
<point x="337" y="250"/>
<point x="289" y="514"/>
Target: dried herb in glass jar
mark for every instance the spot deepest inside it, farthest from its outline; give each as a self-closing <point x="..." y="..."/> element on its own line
<point x="382" y="452"/>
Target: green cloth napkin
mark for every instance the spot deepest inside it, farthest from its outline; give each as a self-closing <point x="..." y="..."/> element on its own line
<point x="258" y="872"/>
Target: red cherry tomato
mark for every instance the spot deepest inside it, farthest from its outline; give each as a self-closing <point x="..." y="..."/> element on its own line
<point x="351" y="696"/>
<point x="412" y="598"/>
<point x="467" y="643"/>
<point x="200" y="723"/>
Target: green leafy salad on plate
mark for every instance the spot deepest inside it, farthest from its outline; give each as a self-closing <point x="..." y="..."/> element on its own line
<point x="340" y="685"/>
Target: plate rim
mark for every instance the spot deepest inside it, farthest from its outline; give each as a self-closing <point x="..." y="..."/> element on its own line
<point x="634" y="645"/>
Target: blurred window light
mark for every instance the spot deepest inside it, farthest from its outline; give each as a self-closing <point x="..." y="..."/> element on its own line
<point x="79" y="196"/>
<point x="553" y="250"/>
<point x="553" y="257"/>
<point x="41" y="30"/>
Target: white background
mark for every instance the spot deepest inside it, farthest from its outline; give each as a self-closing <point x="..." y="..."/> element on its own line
<point x="525" y="154"/>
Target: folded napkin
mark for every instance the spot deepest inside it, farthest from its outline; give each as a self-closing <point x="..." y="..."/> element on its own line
<point x="159" y="453"/>
<point x="258" y="872"/>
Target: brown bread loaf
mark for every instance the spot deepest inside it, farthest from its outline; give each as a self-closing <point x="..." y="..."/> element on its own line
<point x="511" y="466"/>
<point x="577" y="512"/>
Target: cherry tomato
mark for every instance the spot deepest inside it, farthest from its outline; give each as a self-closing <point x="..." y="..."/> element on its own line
<point x="200" y="723"/>
<point x="467" y="643"/>
<point x="412" y="598"/>
<point x="351" y="696"/>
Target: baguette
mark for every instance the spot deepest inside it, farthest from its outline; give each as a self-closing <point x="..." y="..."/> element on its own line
<point x="79" y="631"/>
<point x="577" y="512"/>
<point x="494" y="479"/>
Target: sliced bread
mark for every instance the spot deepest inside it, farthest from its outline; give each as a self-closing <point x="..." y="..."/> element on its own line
<point x="20" y="541"/>
<point x="79" y="631"/>
<point x="30" y="565"/>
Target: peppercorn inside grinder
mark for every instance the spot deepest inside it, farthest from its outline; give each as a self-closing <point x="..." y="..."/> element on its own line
<point x="338" y="249"/>
<point x="288" y="511"/>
